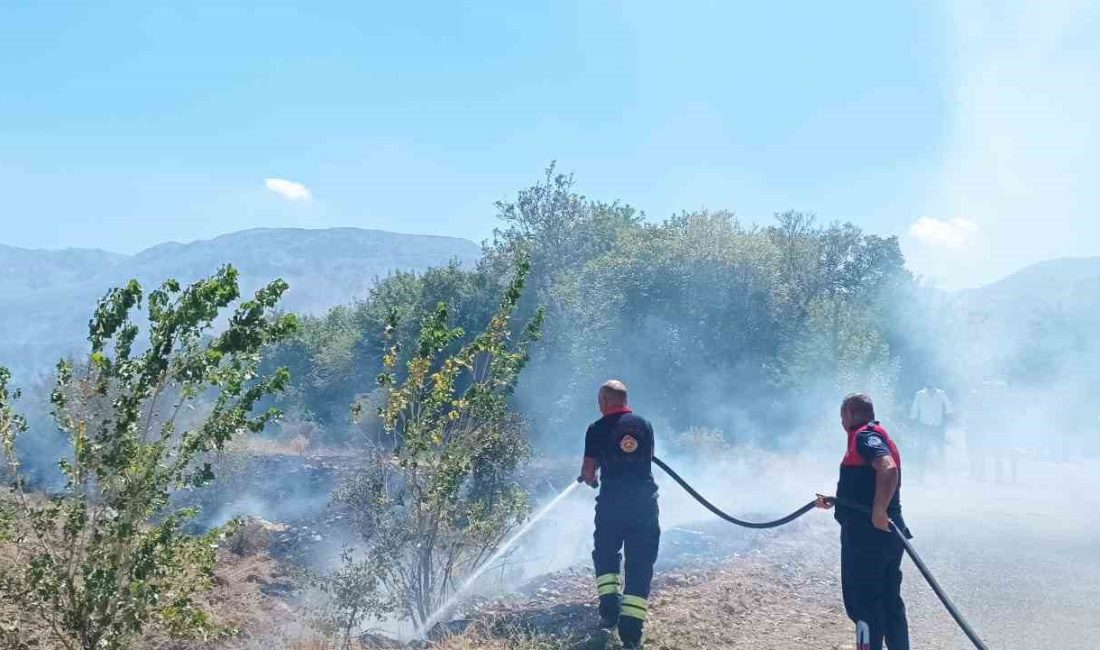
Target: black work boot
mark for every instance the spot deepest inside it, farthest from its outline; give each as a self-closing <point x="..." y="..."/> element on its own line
<point x="609" y="610"/>
<point x="630" y="632"/>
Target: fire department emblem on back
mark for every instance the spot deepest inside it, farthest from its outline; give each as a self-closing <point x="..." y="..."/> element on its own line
<point x="628" y="444"/>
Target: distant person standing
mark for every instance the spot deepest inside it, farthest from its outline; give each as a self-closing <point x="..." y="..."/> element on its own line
<point x="991" y="440"/>
<point x="930" y="413"/>
<point x="870" y="552"/>
<point x="618" y="458"/>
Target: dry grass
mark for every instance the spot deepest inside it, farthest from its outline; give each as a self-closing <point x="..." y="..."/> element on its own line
<point x="258" y="446"/>
<point x="246" y="604"/>
<point x="784" y="596"/>
<point x="779" y="598"/>
<point x="506" y="640"/>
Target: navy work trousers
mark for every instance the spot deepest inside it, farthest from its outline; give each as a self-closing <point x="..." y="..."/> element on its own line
<point x="870" y="571"/>
<point x="630" y="526"/>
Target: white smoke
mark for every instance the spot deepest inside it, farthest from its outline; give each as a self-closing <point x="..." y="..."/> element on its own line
<point x="952" y="233"/>
<point x="1023" y="148"/>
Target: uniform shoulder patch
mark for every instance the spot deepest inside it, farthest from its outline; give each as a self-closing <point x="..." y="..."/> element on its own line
<point x="629" y="444"/>
<point x="873" y="440"/>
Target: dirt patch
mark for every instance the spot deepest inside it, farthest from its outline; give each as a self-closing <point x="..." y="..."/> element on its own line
<point x="782" y="594"/>
<point x="778" y="595"/>
<point x="252" y="602"/>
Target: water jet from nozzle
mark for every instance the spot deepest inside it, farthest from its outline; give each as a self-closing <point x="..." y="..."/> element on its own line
<point x="446" y="607"/>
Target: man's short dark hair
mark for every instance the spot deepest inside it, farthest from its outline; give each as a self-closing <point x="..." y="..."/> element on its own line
<point x="860" y="406"/>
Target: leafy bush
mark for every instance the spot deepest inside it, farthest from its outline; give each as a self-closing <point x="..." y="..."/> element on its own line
<point x="93" y="565"/>
<point x="434" y="503"/>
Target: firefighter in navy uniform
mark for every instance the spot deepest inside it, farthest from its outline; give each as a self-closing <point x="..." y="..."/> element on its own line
<point x="620" y="447"/>
<point x="870" y="552"/>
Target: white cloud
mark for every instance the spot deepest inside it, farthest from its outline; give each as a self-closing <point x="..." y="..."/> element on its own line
<point x="288" y="189"/>
<point x="952" y="233"/>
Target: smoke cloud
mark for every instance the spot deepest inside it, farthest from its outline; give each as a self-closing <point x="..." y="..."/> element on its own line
<point x="952" y="233"/>
<point x="1022" y="150"/>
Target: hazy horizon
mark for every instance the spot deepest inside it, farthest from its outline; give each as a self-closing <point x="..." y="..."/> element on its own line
<point x="228" y="233"/>
<point x="932" y="281"/>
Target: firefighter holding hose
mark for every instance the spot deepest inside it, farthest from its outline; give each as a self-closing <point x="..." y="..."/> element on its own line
<point x="870" y="552"/>
<point x="618" y="455"/>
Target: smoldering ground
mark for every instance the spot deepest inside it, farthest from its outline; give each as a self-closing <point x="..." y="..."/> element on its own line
<point x="1017" y="558"/>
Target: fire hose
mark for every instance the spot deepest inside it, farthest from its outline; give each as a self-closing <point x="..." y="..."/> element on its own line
<point x="912" y="552"/>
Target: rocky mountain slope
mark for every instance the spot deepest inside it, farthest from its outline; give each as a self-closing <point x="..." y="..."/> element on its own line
<point x="46" y="297"/>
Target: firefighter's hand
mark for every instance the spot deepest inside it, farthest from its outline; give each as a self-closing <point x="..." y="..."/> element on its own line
<point x="824" y="502"/>
<point x="881" y="520"/>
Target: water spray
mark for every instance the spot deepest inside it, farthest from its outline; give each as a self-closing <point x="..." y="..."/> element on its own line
<point x="446" y="607"/>
<point x="506" y="546"/>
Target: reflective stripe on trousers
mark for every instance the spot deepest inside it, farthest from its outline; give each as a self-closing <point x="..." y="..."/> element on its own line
<point x="635" y="607"/>
<point x="607" y="584"/>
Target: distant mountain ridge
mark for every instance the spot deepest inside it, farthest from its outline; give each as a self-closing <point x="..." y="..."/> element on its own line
<point x="1067" y="288"/>
<point x="24" y="270"/>
<point x="1043" y="279"/>
<point x="46" y="297"/>
<point x="1046" y="315"/>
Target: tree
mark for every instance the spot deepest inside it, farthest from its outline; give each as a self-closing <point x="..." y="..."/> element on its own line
<point x="560" y="229"/>
<point x="333" y="356"/>
<point x="712" y="322"/>
<point x="438" y="499"/>
<point x="95" y="564"/>
<point x="721" y="325"/>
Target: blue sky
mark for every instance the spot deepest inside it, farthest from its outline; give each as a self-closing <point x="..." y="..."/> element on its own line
<point x="123" y="124"/>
